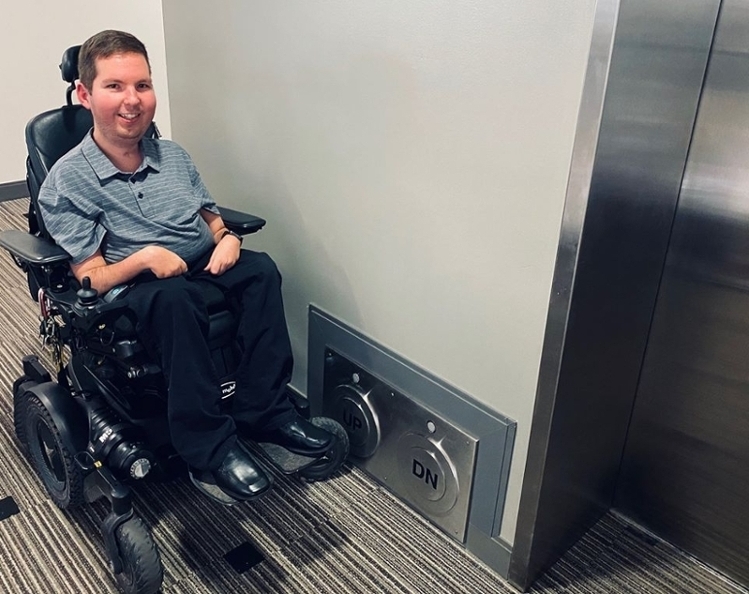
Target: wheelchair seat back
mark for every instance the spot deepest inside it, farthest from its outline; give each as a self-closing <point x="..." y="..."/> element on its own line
<point x="48" y="137"/>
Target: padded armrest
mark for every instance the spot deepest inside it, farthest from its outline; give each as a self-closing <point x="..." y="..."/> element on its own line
<point x="29" y="248"/>
<point x="241" y="222"/>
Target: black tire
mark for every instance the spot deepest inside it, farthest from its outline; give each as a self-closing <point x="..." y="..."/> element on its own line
<point x="332" y="461"/>
<point x="142" y="572"/>
<point x="53" y="462"/>
<point x="17" y="384"/>
<point x="19" y="414"/>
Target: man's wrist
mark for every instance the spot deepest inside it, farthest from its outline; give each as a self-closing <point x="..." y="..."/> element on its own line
<point x="228" y="232"/>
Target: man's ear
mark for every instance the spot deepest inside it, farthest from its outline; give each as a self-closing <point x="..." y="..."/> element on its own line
<point x="83" y="95"/>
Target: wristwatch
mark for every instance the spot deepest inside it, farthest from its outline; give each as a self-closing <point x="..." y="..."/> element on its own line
<point x="230" y="232"/>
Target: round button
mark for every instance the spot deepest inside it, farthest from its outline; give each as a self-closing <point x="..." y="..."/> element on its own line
<point x="427" y="473"/>
<point x="355" y="420"/>
<point x="354" y="412"/>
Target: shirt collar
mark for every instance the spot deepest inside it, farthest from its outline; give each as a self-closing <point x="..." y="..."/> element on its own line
<point x="105" y="169"/>
<point x="151" y="156"/>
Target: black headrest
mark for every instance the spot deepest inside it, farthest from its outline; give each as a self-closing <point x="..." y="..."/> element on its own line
<point x="69" y="64"/>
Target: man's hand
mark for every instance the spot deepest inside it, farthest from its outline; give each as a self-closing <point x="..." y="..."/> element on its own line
<point x="163" y="262"/>
<point x="224" y="256"/>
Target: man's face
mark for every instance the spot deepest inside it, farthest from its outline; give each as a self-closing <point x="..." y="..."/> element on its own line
<point x="121" y="99"/>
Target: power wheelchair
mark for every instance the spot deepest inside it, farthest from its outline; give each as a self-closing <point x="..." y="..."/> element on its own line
<point x="100" y="424"/>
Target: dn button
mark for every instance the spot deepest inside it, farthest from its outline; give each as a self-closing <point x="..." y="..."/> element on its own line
<point x="427" y="474"/>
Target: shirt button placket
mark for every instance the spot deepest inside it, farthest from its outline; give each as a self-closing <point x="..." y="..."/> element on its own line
<point x="138" y="194"/>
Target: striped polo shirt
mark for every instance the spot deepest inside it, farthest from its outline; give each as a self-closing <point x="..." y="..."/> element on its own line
<point x="88" y="204"/>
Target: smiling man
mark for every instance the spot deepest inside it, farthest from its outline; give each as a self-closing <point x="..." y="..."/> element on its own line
<point x="119" y="93"/>
<point x="133" y="210"/>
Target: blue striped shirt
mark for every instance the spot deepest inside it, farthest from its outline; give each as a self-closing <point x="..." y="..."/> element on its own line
<point x="88" y="204"/>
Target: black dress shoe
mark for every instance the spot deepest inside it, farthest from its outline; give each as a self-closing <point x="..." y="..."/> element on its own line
<point x="240" y="476"/>
<point x="299" y="436"/>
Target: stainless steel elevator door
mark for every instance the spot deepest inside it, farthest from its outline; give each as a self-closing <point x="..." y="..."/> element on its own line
<point x="685" y="471"/>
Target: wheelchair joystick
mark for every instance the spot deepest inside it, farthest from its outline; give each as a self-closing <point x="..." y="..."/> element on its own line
<point x="87" y="296"/>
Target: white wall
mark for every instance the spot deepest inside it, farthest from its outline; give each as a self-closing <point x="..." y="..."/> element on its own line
<point x="33" y="36"/>
<point x="411" y="158"/>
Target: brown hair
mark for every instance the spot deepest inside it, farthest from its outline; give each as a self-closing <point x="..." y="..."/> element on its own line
<point x="105" y="44"/>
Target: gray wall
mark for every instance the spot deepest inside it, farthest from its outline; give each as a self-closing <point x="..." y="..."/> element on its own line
<point x="412" y="160"/>
<point x="33" y="35"/>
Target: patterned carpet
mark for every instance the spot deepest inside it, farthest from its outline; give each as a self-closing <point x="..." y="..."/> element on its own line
<point x="346" y="535"/>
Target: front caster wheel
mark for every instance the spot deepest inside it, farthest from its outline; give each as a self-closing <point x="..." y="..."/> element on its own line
<point x="142" y="572"/>
<point x="53" y="462"/>
<point x="332" y="461"/>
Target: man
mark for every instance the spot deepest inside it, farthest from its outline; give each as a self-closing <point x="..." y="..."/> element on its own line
<point x="130" y="209"/>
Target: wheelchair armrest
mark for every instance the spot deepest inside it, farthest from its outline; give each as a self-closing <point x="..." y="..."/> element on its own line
<point x="34" y="250"/>
<point x="241" y="222"/>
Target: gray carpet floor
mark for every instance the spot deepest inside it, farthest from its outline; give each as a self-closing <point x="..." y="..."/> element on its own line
<point x="346" y="535"/>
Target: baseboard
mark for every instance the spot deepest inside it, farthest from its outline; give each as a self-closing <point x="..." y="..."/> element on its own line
<point x="13" y="190"/>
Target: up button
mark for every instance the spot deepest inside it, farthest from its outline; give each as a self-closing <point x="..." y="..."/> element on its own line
<point x="353" y="409"/>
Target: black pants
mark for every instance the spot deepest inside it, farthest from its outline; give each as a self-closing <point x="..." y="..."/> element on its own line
<point x="173" y="322"/>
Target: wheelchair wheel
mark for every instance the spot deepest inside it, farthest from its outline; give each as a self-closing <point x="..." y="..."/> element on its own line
<point x="19" y="414"/>
<point x="142" y="572"/>
<point x="332" y="461"/>
<point x="60" y="475"/>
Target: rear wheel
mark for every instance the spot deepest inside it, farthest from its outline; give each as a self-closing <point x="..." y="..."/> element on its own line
<point x="142" y="572"/>
<point x="53" y="462"/>
<point x="332" y="461"/>
<point x="19" y="413"/>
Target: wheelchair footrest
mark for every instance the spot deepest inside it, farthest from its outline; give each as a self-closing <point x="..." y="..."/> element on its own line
<point x="285" y="461"/>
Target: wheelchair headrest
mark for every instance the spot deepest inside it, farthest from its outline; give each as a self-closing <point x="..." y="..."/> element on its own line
<point x="69" y="64"/>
